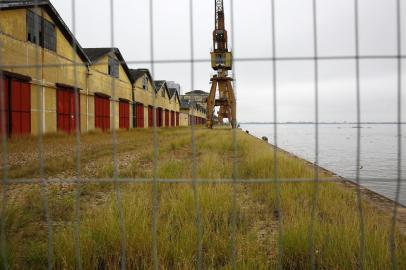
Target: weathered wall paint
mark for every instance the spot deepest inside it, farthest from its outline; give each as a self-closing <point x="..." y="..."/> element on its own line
<point x="116" y="88"/>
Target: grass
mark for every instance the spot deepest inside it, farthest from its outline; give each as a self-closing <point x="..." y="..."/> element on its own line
<point x="255" y="219"/>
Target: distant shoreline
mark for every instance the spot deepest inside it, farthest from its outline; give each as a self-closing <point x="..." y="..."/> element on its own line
<point x="321" y="123"/>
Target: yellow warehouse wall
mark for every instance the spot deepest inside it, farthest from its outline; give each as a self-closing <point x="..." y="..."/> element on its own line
<point x="183" y="119"/>
<point x="13" y="23"/>
<point x="101" y="82"/>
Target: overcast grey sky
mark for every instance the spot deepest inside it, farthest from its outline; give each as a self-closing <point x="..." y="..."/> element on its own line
<point x="252" y="29"/>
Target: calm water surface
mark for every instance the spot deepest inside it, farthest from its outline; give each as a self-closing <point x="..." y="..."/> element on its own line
<point x="338" y="150"/>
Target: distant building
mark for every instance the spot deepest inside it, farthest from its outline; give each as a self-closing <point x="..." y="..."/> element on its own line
<point x="192" y="114"/>
<point x="197" y="96"/>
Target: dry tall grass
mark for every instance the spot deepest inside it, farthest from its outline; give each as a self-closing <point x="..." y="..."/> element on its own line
<point x="336" y="228"/>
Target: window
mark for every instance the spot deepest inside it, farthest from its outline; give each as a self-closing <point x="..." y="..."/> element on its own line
<point x="163" y="92"/>
<point x="49" y="36"/>
<point x="219" y="59"/>
<point x="113" y="67"/>
<point x="40" y="31"/>
<point x="145" y="82"/>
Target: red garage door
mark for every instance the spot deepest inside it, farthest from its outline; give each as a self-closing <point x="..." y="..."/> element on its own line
<point x="172" y="118"/>
<point x="150" y="116"/>
<point x="140" y="115"/>
<point x="177" y="119"/>
<point x="20" y="107"/>
<point x="4" y="108"/>
<point x="159" y="116"/>
<point x="102" y="112"/>
<point x="16" y="107"/>
<point x="66" y="116"/>
<point x="166" y="118"/>
<point x="124" y="113"/>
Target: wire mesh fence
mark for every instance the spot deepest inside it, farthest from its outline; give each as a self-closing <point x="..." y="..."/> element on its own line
<point x="195" y="181"/>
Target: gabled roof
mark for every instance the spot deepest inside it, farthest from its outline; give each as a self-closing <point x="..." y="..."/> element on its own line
<point x="197" y="92"/>
<point x="15" y="4"/>
<point x="159" y="84"/>
<point x="138" y="73"/>
<point x="172" y="92"/>
<point x="94" y="54"/>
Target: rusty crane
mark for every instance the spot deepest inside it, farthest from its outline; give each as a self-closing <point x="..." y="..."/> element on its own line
<point x="221" y="62"/>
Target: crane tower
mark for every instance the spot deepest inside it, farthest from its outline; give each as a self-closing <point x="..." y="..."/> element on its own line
<point x="221" y="62"/>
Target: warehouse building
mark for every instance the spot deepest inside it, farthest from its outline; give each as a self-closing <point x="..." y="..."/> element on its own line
<point x="39" y="78"/>
<point x="150" y="94"/>
<point x="49" y="83"/>
<point x="197" y="96"/>
<point x="174" y="100"/>
<point x="167" y="103"/>
<point x="192" y="113"/>
<point x="111" y="92"/>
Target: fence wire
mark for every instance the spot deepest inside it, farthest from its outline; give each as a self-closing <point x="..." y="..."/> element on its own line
<point x="195" y="182"/>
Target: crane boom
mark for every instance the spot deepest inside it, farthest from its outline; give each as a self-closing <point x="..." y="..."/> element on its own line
<point x="219" y="33"/>
<point x="219" y="14"/>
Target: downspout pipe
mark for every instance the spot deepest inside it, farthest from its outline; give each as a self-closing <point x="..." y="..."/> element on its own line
<point x="87" y="96"/>
<point x="134" y="105"/>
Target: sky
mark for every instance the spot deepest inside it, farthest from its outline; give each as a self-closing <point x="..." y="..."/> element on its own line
<point x="251" y="37"/>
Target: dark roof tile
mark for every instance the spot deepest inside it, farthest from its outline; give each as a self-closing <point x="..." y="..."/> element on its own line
<point x="197" y="92"/>
<point x="138" y="73"/>
<point x="95" y="53"/>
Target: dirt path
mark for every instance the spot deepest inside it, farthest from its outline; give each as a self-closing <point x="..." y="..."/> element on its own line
<point x="265" y="222"/>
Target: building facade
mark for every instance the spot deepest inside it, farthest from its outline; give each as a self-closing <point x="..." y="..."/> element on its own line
<point x="197" y="96"/>
<point x="49" y="83"/>
<point x="192" y="114"/>
<point x="110" y="90"/>
<point x="154" y="98"/>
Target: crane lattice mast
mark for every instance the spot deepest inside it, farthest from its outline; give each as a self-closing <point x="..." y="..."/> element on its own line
<point x="221" y="62"/>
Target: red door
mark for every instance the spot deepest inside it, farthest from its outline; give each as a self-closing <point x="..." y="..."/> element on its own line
<point x="166" y="118"/>
<point x="124" y="114"/>
<point x="4" y="108"/>
<point x="172" y="118"/>
<point x="20" y="107"/>
<point x="159" y="117"/>
<point x="150" y="116"/>
<point x="177" y="119"/>
<point x="102" y="112"/>
<point x="140" y="115"/>
<point x="66" y="116"/>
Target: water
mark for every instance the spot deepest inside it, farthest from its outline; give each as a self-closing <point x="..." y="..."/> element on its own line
<point x="338" y="149"/>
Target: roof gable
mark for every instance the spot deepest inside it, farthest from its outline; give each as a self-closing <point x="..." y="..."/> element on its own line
<point x="197" y="92"/>
<point x="173" y="92"/>
<point x="138" y="73"/>
<point x="161" y="84"/>
<point x="94" y="54"/>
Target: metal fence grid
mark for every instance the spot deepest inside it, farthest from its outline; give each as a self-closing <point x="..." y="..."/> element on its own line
<point x="357" y="57"/>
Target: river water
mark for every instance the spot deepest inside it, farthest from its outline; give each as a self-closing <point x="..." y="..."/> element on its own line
<point x="338" y="150"/>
